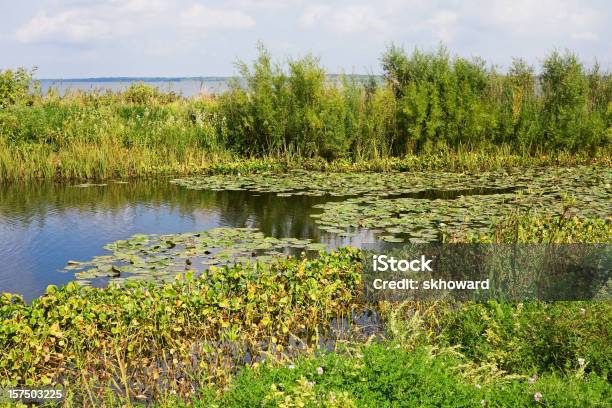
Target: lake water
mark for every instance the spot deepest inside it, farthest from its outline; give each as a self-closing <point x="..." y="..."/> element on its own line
<point x="187" y="87"/>
<point x="43" y="226"/>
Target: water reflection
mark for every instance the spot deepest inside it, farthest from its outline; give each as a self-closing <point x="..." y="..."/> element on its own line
<point x="42" y="226"/>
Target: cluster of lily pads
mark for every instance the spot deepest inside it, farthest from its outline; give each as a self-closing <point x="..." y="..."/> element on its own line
<point x="415" y="207"/>
<point x="314" y="183"/>
<point x="162" y="257"/>
<point x="420" y="207"/>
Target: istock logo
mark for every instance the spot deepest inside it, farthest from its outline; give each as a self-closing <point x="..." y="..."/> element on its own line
<point x="382" y="263"/>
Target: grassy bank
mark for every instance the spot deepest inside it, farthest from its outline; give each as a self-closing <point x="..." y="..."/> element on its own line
<point x="106" y="162"/>
<point x="391" y="374"/>
<point x="431" y="111"/>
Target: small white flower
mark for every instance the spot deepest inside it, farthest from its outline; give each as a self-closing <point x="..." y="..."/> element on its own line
<point x="478" y="386"/>
<point x="537" y="396"/>
<point x="483" y="403"/>
<point x="581" y="362"/>
<point x="320" y="370"/>
<point x="582" y="311"/>
<point x="291" y="366"/>
<point x="532" y="380"/>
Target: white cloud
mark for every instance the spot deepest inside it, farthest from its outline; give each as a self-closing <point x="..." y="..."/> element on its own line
<point x="113" y="19"/>
<point x="72" y="26"/>
<point x="202" y="17"/>
<point x="207" y="35"/>
<point x="552" y="18"/>
<point x="344" y="20"/>
<point x="312" y="14"/>
<point x="266" y="4"/>
<point x="357" y="18"/>
<point x="443" y="24"/>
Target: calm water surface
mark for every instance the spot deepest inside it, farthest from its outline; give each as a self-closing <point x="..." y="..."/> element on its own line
<point x="185" y="86"/>
<point x="42" y="226"/>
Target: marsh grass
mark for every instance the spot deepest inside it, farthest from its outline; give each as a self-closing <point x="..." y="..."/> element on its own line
<point x="103" y="161"/>
<point x="526" y="227"/>
<point x="432" y="111"/>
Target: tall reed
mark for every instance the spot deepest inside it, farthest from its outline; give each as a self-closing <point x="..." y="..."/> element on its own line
<point x="431" y="109"/>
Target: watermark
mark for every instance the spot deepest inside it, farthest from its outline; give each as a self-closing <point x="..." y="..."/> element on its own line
<point x="382" y="263"/>
<point x="26" y="395"/>
<point x="431" y="284"/>
<point x="513" y="272"/>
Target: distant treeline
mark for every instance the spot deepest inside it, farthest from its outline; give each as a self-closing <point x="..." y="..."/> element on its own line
<point x="427" y="102"/>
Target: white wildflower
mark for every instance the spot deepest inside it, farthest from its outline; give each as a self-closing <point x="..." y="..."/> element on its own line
<point x="537" y="396"/>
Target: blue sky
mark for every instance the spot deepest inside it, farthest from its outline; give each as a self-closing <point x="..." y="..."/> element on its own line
<point x="85" y="38"/>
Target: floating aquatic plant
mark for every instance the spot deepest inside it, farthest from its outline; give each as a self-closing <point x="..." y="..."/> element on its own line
<point x="420" y="207"/>
<point x="162" y="257"/>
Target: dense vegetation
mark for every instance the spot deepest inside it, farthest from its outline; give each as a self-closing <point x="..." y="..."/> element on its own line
<point x="144" y="338"/>
<point x="431" y="110"/>
<point x="394" y="374"/>
<point x="253" y="334"/>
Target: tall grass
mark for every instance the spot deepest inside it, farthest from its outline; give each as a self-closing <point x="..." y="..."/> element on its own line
<point x="432" y="109"/>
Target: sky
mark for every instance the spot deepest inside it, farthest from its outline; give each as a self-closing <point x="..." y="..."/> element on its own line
<point x="93" y="38"/>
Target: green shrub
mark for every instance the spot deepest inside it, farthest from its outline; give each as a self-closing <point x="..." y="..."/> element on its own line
<point x="568" y="118"/>
<point x="527" y="338"/>
<point x="381" y="375"/>
<point x="430" y="111"/>
<point x="17" y="87"/>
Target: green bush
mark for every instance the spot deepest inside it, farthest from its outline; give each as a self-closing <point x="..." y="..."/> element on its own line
<point x="455" y="102"/>
<point x="381" y="375"/>
<point x="568" y="119"/>
<point x="527" y="338"/>
<point x="17" y="87"/>
<point x="218" y="318"/>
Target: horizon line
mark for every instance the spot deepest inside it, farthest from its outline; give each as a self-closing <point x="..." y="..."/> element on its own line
<point x="171" y="78"/>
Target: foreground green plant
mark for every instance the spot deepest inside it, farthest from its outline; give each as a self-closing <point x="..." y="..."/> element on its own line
<point x="389" y="375"/>
<point x="529" y="338"/>
<point x="565" y="228"/>
<point x="145" y="341"/>
<point x="186" y="341"/>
